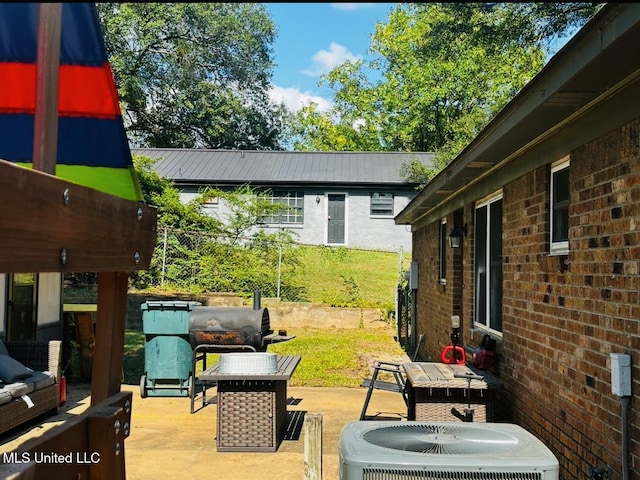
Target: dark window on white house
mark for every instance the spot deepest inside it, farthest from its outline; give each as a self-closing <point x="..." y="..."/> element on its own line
<point x="559" y="231"/>
<point x="443" y="252"/>
<point x="381" y="204"/>
<point x="488" y="264"/>
<point x="293" y="208"/>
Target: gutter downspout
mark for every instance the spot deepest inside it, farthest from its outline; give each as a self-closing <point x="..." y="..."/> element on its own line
<point x="624" y="403"/>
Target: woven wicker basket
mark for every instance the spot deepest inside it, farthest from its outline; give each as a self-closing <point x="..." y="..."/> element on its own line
<point x="252" y="415"/>
<point x="436" y="404"/>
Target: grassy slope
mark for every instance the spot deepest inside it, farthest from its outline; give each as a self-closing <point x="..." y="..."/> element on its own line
<point x="326" y="274"/>
<point x="330" y="357"/>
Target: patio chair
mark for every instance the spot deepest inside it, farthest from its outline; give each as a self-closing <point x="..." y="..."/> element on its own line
<point x="398" y="383"/>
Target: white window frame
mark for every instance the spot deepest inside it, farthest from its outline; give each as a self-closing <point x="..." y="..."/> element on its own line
<point x="561" y="247"/>
<point x="292" y="212"/>
<point x="212" y="203"/>
<point x="488" y="326"/>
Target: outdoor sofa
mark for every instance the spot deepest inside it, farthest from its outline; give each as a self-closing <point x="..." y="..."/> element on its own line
<point x="29" y="381"/>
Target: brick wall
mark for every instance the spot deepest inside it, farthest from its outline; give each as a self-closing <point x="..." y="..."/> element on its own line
<point x="431" y="304"/>
<point x="562" y="315"/>
<point x="436" y="303"/>
<point x="561" y="320"/>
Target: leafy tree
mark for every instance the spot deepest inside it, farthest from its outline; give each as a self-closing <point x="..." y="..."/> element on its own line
<point x="215" y="254"/>
<point x="161" y="193"/>
<point x="247" y="208"/>
<point x="194" y="75"/>
<point x="447" y="69"/>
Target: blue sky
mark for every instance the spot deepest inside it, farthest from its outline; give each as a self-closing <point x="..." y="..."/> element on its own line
<point x="313" y="38"/>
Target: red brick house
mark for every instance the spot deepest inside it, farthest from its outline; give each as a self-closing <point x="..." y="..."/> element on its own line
<point x="547" y="201"/>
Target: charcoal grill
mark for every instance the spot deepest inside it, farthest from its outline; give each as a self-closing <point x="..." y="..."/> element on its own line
<point x="232" y="326"/>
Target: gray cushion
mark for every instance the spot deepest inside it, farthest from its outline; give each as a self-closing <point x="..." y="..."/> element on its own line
<point x="3" y="348"/>
<point x="5" y="396"/>
<point x="12" y="370"/>
<point x="19" y="388"/>
<point x="40" y="379"/>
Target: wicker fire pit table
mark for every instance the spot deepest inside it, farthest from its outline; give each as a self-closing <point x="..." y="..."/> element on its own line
<point x="435" y="392"/>
<point x="252" y="408"/>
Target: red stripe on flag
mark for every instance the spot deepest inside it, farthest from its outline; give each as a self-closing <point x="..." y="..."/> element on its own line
<point x="83" y="91"/>
<point x="87" y="92"/>
<point x="17" y="87"/>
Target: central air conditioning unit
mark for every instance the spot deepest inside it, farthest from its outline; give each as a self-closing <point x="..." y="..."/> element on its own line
<point x="419" y="450"/>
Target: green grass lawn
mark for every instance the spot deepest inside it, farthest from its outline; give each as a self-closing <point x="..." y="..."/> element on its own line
<point x="330" y="357"/>
<point x="348" y="277"/>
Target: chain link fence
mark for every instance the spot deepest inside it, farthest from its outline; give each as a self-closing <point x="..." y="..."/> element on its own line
<point x="276" y="266"/>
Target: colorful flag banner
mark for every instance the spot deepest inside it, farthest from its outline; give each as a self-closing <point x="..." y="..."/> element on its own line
<point x="92" y="146"/>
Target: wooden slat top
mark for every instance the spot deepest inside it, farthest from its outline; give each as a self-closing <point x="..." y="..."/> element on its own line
<point x="286" y="366"/>
<point x="440" y="375"/>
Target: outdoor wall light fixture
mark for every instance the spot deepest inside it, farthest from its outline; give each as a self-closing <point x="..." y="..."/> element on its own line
<point x="318" y="200"/>
<point x="455" y="237"/>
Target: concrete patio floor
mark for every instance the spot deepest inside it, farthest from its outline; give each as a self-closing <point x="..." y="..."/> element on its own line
<point x="167" y="441"/>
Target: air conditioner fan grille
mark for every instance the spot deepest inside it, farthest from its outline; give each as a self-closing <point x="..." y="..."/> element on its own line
<point x="442" y="439"/>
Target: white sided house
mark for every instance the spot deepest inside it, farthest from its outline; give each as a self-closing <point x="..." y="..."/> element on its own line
<point x="345" y="199"/>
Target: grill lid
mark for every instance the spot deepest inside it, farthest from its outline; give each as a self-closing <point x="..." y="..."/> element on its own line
<point x="222" y="319"/>
<point x="229" y="326"/>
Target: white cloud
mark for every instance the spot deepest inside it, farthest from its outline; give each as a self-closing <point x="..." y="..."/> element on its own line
<point x="326" y="60"/>
<point x="350" y="7"/>
<point x="294" y="99"/>
<point x="358" y="124"/>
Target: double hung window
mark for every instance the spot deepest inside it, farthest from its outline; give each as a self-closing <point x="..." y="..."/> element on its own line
<point x="292" y="211"/>
<point x="488" y="264"/>
<point x="559" y="200"/>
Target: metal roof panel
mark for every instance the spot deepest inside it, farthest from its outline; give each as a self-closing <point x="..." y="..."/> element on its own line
<point x="270" y="166"/>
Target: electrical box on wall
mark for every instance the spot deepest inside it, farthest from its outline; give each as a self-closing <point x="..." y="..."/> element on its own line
<point x="621" y="374"/>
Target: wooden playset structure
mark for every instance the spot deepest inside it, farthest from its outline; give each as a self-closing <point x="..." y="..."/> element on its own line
<point x="49" y="224"/>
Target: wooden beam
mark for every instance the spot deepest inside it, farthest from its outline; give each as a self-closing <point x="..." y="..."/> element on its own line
<point x="51" y="225"/>
<point x="76" y="440"/>
<point x="105" y="454"/>
<point x="313" y="447"/>
<point x="19" y="471"/>
<point x="106" y="376"/>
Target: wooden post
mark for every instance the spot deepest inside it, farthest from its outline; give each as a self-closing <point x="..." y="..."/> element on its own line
<point x="45" y="138"/>
<point x="313" y="447"/>
<point x="105" y="455"/>
<point x="85" y="335"/>
<point x="110" y="325"/>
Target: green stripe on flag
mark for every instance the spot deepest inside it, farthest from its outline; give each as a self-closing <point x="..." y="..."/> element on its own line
<point x="120" y="182"/>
